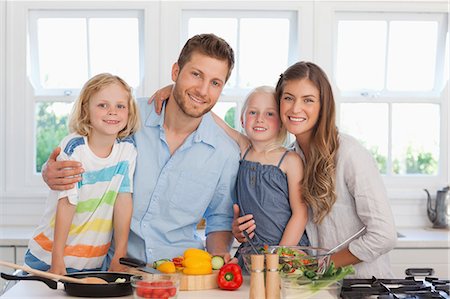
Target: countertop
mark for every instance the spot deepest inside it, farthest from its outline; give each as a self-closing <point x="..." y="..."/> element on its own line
<point x="34" y="289"/>
<point x="409" y="237"/>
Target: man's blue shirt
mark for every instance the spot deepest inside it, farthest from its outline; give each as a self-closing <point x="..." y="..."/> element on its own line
<point x="172" y="193"/>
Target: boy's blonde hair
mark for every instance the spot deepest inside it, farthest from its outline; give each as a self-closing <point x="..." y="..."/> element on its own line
<point x="282" y="134"/>
<point x="80" y="120"/>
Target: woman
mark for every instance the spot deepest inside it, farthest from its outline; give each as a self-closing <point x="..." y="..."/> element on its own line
<point x="342" y="186"/>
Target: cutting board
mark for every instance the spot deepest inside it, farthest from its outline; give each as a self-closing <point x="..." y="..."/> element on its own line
<point x="199" y="282"/>
<point x="191" y="282"/>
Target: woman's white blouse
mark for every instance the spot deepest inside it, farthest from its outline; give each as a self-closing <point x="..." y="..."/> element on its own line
<point x="361" y="201"/>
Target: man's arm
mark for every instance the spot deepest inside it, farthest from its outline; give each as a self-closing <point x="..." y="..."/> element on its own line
<point x="219" y="243"/>
<point x="61" y="175"/>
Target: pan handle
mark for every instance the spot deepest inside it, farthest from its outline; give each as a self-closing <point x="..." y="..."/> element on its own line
<point x="50" y="283"/>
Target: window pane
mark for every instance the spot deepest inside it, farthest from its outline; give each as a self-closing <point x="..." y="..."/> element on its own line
<point x="261" y="60"/>
<point x="361" y="54"/>
<point x="415" y="142"/>
<point x="114" y="47"/>
<point x="51" y="127"/>
<point x="62" y="52"/>
<point x="369" y="123"/>
<point x="412" y="55"/>
<point x="227" y="112"/>
<point x="225" y="28"/>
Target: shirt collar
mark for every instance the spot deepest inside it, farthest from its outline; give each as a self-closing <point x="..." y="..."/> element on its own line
<point x="205" y="132"/>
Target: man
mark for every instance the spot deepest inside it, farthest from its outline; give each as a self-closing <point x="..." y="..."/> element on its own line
<point x="186" y="166"/>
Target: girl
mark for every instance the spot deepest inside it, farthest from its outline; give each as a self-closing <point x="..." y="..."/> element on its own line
<point x="76" y="230"/>
<point x="269" y="176"/>
<point x="342" y="185"/>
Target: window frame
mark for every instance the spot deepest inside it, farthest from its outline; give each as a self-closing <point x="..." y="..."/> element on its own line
<point x="398" y="186"/>
<point x="22" y="182"/>
<point x="2" y="99"/>
<point x="442" y="21"/>
<point x="238" y="94"/>
<point x="36" y="14"/>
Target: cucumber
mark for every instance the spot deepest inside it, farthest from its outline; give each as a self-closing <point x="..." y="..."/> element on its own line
<point x="159" y="262"/>
<point x="217" y="262"/>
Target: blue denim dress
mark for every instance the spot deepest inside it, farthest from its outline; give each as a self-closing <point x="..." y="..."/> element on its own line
<point x="262" y="190"/>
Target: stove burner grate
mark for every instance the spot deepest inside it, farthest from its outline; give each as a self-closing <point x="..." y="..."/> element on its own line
<point x="408" y="288"/>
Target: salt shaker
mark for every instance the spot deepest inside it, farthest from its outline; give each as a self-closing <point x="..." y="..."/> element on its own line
<point x="257" y="289"/>
<point x="272" y="277"/>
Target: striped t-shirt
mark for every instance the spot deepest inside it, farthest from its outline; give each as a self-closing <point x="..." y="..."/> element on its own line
<point x="91" y="230"/>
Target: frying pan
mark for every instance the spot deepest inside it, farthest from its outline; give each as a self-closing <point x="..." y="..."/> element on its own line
<point x="112" y="289"/>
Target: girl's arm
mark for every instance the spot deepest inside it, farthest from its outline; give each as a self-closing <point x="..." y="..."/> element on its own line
<point x="296" y="224"/>
<point x="239" y="138"/>
<point x="64" y="216"/>
<point x="123" y="208"/>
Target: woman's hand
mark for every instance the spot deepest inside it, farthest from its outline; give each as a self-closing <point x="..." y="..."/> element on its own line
<point x="160" y="96"/>
<point x="61" y="175"/>
<point x="242" y="223"/>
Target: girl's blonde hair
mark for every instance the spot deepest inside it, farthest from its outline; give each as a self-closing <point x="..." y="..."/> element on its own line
<point x="80" y="120"/>
<point x="282" y="134"/>
<point x="319" y="181"/>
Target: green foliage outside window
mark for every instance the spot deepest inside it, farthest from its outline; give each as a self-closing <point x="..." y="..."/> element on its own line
<point x="380" y="159"/>
<point x="50" y="130"/>
<point x="230" y="116"/>
<point x="420" y="162"/>
<point x="415" y="162"/>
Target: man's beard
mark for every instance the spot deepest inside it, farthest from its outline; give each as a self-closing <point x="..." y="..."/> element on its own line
<point x="189" y="111"/>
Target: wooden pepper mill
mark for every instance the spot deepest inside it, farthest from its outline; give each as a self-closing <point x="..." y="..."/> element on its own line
<point x="272" y="276"/>
<point x="257" y="289"/>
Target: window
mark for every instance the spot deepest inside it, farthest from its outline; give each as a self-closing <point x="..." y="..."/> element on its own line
<point x="258" y="61"/>
<point x="68" y="47"/>
<point x="390" y="78"/>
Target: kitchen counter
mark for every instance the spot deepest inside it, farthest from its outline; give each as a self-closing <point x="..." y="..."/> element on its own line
<point x="423" y="238"/>
<point x="34" y="289"/>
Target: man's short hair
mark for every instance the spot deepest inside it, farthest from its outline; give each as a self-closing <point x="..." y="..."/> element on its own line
<point x="210" y="45"/>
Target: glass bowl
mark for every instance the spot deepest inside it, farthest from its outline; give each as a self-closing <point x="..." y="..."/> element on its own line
<point x="293" y="259"/>
<point x="156" y="286"/>
<point x="295" y="287"/>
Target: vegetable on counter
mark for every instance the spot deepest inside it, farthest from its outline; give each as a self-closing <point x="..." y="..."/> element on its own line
<point x="217" y="262"/>
<point x="316" y="282"/>
<point x="167" y="267"/>
<point x="197" y="262"/>
<point x="230" y="277"/>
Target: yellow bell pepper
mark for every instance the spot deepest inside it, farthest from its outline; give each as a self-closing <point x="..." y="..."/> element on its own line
<point x="197" y="262"/>
<point x="167" y="267"/>
<point x="197" y="266"/>
<point x="195" y="252"/>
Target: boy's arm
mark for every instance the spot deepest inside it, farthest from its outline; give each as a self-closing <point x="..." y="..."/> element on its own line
<point x="239" y="138"/>
<point x="296" y="224"/>
<point x="123" y="208"/>
<point x="64" y="216"/>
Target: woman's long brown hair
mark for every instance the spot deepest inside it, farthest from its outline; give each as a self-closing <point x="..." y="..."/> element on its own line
<point x="319" y="183"/>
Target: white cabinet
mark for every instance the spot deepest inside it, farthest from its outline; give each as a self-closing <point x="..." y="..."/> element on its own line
<point x="436" y="258"/>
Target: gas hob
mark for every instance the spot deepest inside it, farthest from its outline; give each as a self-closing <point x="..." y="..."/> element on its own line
<point x="408" y="288"/>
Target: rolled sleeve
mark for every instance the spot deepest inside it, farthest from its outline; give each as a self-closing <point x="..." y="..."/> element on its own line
<point x="219" y="214"/>
<point x="372" y="205"/>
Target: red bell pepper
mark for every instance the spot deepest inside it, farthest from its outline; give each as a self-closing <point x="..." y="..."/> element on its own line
<point x="230" y="277"/>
